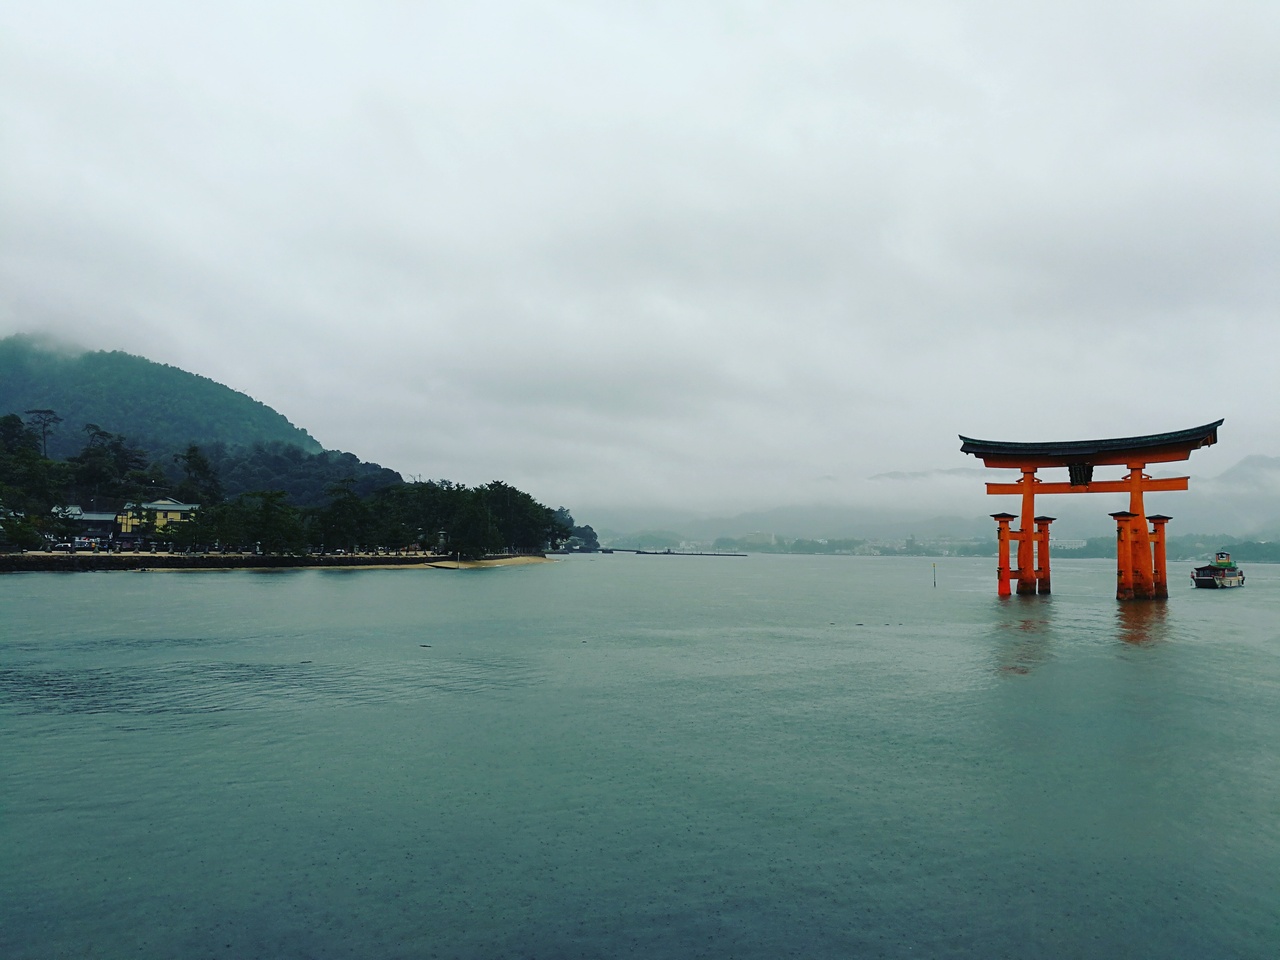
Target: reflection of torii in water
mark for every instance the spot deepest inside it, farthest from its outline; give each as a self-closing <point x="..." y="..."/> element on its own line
<point x="1140" y="559"/>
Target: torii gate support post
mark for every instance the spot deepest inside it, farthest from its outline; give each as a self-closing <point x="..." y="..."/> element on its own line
<point x="1042" y="553"/>
<point x="1124" y="554"/>
<point x="1026" y="536"/>
<point x="1002" y="552"/>
<point x="1160" y="569"/>
<point x="1140" y="539"/>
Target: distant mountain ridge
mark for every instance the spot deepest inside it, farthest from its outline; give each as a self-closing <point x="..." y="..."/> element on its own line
<point x="1242" y="501"/>
<point x="159" y="407"/>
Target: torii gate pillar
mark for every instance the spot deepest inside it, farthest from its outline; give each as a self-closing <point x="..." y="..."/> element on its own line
<point x="1026" y="536"/>
<point x="1160" y="568"/>
<point x="1042" y="553"/>
<point x="1003" y="534"/>
<point x="1125" y="548"/>
<point x="1139" y="537"/>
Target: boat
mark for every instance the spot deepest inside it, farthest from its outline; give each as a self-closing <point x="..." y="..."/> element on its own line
<point x="1221" y="573"/>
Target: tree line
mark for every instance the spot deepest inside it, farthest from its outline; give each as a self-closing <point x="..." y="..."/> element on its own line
<point x="299" y="501"/>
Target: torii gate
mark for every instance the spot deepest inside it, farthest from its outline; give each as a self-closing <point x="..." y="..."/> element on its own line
<point x="1140" y="553"/>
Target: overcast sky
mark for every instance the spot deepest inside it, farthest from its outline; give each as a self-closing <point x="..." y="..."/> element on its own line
<point x="715" y="255"/>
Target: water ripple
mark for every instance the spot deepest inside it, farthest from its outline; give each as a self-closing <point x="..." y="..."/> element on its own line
<point x="194" y="688"/>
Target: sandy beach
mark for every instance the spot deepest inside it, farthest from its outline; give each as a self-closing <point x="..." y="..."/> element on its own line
<point x="480" y="564"/>
<point x="82" y="561"/>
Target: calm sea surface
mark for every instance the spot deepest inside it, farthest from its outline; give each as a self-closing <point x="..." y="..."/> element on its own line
<point x="638" y="756"/>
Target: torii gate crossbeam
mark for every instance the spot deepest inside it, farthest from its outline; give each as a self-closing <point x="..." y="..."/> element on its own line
<point x="1140" y="560"/>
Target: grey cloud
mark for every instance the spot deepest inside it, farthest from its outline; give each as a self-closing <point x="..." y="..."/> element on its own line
<point x="661" y="254"/>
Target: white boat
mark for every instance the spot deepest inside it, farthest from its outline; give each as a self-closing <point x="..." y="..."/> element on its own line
<point x="1221" y="573"/>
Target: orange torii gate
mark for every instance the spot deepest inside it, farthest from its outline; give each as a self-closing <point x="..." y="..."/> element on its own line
<point x="1140" y="554"/>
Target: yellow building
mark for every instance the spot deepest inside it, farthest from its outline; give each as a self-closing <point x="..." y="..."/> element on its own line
<point x="164" y="511"/>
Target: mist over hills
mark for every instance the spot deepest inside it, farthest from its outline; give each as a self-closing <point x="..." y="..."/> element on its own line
<point x="1242" y="501"/>
<point x="800" y="522"/>
<point x="159" y="407"/>
<point x="163" y="409"/>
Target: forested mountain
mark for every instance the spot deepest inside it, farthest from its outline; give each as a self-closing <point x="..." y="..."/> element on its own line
<point x="305" y="478"/>
<point x="105" y="430"/>
<point x="159" y="408"/>
<point x="123" y="425"/>
<point x="274" y="497"/>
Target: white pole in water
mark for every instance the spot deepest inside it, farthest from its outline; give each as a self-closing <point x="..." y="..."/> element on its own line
<point x="935" y="575"/>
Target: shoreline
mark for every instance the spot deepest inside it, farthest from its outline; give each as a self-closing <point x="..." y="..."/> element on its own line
<point x="86" y="562"/>
<point x="487" y="563"/>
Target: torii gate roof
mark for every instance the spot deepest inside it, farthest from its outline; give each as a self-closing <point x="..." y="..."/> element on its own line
<point x="1153" y="448"/>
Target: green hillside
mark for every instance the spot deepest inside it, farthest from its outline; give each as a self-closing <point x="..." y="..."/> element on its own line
<point x="158" y="407"/>
<point x="104" y="430"/>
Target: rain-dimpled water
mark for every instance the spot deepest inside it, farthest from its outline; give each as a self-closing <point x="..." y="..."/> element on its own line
<point x="638" y="756"/>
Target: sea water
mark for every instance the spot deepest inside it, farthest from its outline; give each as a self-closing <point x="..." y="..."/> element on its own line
<point x="638" y="756"/>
